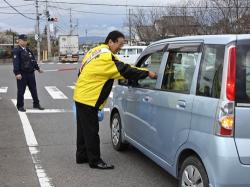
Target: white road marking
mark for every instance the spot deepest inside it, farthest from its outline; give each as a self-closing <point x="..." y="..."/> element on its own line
<point x="3" y="89"/>
<point x="106" y="109"/>
<point x="72" y="87"/>
<point x="55" y="93"/>
<point x="111" y="95"/>
<point x="75" y="63"/>
<point x="67" y="63"/>
<point x="47" y="111"/>
<point x="31" y="141"/>
<point x="50" y="63"/>
<point x="59" y="63"/>
<point x="27" y="94"/>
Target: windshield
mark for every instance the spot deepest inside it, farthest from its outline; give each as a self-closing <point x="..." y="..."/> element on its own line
<point x="243" y="72"/>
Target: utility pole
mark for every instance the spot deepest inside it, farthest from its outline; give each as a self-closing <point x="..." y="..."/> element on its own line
<point x="13" y="40"/>
<point x="48" y="29"/>
<point x="70" y="20"/>
<point x="37" y="32"/>
<point x="77" y="26"/>
<point x="129" y="15"/>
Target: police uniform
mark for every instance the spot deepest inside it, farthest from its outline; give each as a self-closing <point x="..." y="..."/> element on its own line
<point x="24" y="63"/>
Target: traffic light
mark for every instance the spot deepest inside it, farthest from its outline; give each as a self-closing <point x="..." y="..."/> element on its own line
<point x="53" y="19"/>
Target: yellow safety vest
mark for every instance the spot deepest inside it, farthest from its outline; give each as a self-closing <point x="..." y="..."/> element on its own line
<point x="96" y="79"/>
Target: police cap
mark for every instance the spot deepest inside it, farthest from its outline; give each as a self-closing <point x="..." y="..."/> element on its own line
<point x="22" y="37"/>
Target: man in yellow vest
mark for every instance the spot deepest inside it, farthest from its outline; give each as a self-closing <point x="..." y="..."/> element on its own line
<point x="100" y="66"/>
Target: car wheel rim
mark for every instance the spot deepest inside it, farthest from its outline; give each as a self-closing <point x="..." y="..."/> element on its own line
<point x="191" y="177"/>
<point x="115" y="131"/>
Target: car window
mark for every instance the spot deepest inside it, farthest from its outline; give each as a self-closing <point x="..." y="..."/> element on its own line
<point x="121" y="52"/>
<point x="139" y="51"/>
<point x="210" y="74"/>
<point x="152" y="63"/>
<point x="179" y="71"/>
<point x="248" y="75"/>
<point x="132" y="51"/>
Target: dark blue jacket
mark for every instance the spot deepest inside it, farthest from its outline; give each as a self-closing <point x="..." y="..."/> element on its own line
<point x="24" y="61"/>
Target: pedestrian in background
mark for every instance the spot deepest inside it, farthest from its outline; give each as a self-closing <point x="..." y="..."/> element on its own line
<point x="24" y="64"/>
<point x="100" y="66"/>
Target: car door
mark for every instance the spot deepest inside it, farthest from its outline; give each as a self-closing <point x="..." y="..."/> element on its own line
<point x="139" y="95"/>
<point x="172" y="108"/>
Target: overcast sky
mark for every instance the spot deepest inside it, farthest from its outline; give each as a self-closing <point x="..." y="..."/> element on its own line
<point x="88" y="23"/>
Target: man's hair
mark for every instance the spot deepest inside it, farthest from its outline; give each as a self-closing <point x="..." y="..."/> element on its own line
<point x="114" y="35"/>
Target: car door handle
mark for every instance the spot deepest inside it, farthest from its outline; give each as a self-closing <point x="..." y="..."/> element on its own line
<point x="181" y="104"/>
<point x="146" y="99"/>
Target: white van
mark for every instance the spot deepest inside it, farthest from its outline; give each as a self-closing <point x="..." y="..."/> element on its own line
<point x="129" y="54"/>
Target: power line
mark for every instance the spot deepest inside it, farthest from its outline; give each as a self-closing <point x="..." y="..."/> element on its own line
<point x="113" y="5"/>
<point x="142" y="6"/>
<point x="17" y="10"/>
<point x="16" y="6"/>
<point x="16" y="13"/>
<point x="87" y="12"/>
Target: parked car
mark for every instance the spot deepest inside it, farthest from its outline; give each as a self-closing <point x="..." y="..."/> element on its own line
<point x="193" y="119"/>
<point x="129" y="54"/>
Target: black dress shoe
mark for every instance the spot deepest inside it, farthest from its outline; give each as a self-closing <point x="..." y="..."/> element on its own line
<point x="101" y="165"/>
<point x="81" y="160"/>
<point x="38" y="107"/>
<point x="21" y="109"/>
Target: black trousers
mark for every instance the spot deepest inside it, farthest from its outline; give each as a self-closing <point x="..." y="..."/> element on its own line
<point x="28" y="79"/>
<point x="88" y="141"/>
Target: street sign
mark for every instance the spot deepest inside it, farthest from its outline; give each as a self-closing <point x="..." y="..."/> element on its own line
<point x="36" y="37"/>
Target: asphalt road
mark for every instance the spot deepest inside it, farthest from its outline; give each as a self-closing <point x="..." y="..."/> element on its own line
<point x="47" y="158"/>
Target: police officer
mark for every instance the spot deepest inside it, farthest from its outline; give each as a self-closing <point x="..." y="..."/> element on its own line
<point x="25" y="64"/>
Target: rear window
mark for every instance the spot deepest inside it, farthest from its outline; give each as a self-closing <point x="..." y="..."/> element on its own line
<point x="243" y="72"/>
<point x="210" y="74"/>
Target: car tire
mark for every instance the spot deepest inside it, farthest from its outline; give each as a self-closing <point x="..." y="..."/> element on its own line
<point x="116" y="133"/>
<point x="193" y="173"/>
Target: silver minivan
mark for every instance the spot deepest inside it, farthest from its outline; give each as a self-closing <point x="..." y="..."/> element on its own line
<point x="193" y="119"/>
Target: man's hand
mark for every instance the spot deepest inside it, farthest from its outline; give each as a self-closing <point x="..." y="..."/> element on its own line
<point x="152" y="75"/>
<point x="18" y="76"/>
<point x="40" y="71"/>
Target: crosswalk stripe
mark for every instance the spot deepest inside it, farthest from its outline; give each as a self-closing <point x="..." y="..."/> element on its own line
<point x="27" y="94"/>
<point x="3" y="89"/>
<point x="47" y="111"/>
<point x="55" y="93"/>
<point x="72" y="87"/>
